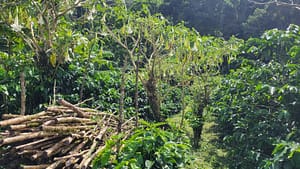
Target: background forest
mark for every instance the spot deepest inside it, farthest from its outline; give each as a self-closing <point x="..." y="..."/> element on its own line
<point x="210" y="83"/>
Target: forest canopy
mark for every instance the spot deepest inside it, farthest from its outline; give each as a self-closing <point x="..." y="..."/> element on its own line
<point x="242" y="18"/>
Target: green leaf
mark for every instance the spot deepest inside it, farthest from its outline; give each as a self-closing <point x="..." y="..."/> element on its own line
<point x="148" y="164"/>
<point x="105" y="158"/>
<point x="278" y="148"/>
<point x="4" y="90"/>
<point x="258" y="87"/>
<point x="134" y="166"/>
<point x="53" y="60"/>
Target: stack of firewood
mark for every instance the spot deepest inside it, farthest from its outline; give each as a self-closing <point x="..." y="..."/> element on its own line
<point x="63" y="136"/>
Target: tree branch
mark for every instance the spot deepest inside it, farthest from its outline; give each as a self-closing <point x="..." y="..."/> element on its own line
<point x="78" y="3"/>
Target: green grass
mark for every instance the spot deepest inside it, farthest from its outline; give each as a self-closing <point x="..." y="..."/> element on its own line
<point x="208" y="156"/>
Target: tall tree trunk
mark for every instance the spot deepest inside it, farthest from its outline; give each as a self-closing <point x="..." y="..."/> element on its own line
<point x="23" y="93"/>
<point x="197" y="130"/>
<point x="182" y="99"/>
<point x="122" y="95"/>
<point x="151" y="88"/>
<point x="182" y="105"/>
<point x="197" y="135"/>
<point x="136" y="96"/>
<point x="121" y="104"/>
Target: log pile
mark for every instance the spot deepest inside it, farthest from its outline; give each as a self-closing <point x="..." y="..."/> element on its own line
<point x="64" y="136"/>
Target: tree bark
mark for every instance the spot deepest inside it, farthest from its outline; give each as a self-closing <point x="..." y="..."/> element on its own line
<point x="197" y="130"/>
<point x="122" y="95"/>
<point x="182" y="106"/>
<point x="151" y="88"/>
<point x="23" y="93"/>
<point x="197" y="135"/>
<point x="136" y="95"/>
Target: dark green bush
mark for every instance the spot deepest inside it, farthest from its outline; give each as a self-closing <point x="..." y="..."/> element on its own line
<point x="286" y="156"/>
<point x="259" y="103"/>
<point x="149" y="147"/>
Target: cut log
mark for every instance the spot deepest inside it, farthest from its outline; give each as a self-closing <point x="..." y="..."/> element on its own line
<point x="23" y="93"/>
<point x="10" y="116"/>
<point x="17" y="127"/>
<point x="66" y="149"/>
<point x="57" y="164"/>
<point x="27" y="152"/>
<point x="24" y="126"/>
<point x="36" y="144"/>
<point x="24" y="137"/>
<point x="71" y="161"/>
<point x="87" y="161"/>
<point x="5" y="134"/>
<point x="56" y="148"/>
<point x="65" y="129"/>
<point x="71" y="106"/>
<point x="101" y="134"/>
<point x="128" y="121"/>
<point x="38" y="155"/>
<point x="41" y="166"/>
<point x="21" y="119"/>
<point x="73" y="120"/>
<point x="60" y="110"/>
<point x="90" y="110"/>
<point x="79" y="147"/>
<point x="71" y="155"/>
<point x="90" y="155"/>
<point x="49" y="122"/>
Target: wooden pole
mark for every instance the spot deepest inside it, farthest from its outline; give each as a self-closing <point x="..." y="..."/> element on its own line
<point x="23" y="93"/>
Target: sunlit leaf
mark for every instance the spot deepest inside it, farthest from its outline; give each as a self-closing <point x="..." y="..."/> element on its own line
<point x="53" y="60"/>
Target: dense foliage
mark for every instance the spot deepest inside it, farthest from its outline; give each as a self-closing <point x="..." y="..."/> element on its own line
<point x="257" y="104"/>
<point x="134" y="62"/>
<point x="149" y="147"/>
